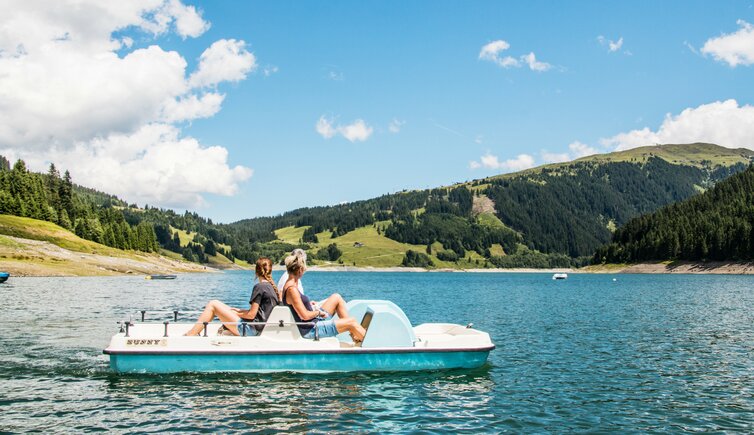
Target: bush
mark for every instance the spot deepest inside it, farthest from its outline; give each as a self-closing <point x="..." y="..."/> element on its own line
<point x="330" y="253"/>
<point x="416" y="259"/>
<point x="447" y="256"/>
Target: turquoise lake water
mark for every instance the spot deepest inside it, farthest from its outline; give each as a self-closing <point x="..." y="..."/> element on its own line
<point x="644" y="353"/>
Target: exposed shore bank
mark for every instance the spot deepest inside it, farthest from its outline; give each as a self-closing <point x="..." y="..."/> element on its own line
<point x="26" y="257"/>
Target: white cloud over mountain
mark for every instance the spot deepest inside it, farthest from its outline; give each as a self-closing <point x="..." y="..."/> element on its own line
<point x="75" y="92"/>
<point x="723" y="123"/>
<point x="490" y="161"/>
<point x="734" y="48"/>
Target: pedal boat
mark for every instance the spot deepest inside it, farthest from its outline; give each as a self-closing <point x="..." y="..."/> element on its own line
<point x="390" y="344"/>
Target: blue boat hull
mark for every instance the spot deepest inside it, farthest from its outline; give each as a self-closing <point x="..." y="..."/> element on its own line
<point x="295" y="362"/>
<point x="4" y="277"/>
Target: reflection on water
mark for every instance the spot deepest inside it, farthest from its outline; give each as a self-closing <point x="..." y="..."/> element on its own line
<point x="646" y="353"/>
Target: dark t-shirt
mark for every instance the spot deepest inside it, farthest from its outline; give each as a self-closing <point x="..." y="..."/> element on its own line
<point x="267" y="298"/>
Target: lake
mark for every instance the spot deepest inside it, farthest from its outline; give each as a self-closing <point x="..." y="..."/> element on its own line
<point x="628" y="353"/>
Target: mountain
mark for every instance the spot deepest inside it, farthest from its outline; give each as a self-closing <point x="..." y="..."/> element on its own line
<point x="553" y="215"/>
<point x="716" y="225"/>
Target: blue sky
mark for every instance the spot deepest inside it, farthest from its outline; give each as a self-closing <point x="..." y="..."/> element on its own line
<point x="405" y="94"/>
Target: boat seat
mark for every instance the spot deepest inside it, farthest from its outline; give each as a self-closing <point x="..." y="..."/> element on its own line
<point x="289" y="331"/>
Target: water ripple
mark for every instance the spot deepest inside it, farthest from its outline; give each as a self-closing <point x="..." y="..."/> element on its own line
<point x="652" y="354"/>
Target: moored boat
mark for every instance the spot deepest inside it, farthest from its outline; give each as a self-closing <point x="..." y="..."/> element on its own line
<point x="390" y="344"/>
<point x="560" y="276"/>
<point x="160" y="277"/>
<point x="4" y="277"/>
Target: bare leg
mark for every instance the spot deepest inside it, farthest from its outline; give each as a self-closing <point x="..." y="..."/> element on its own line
<point x="354" y="328"/>
<point x="222" y="311"/>
<point x="335" y="304"/>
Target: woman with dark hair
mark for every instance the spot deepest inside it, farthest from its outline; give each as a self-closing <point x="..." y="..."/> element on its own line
<point x="264" y="297"/>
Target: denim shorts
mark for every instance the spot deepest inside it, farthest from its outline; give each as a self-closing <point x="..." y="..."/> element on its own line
<point x="250" y="330"/>
<point x="324" y="328"/>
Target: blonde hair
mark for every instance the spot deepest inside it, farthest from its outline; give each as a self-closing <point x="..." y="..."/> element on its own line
<point x="296" y="262"/>
<point x="264" y="271"/>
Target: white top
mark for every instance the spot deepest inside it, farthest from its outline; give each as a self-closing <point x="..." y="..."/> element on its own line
<point x="284" y="278"/>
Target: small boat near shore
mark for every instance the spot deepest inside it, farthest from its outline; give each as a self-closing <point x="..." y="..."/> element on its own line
<point x="560" y="276"/>
<point x="4" y="277"/>
<point x="161" y="277"/>
<point x="390" y="344"/>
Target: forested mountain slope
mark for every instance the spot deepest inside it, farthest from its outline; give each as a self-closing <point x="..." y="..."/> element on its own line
<point x="552" y="216"/>
<point x="547" y="216"/>
<point x="715" y="225"/>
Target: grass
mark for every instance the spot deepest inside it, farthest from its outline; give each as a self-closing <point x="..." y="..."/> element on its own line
<point x="490" y="220"/>
<point x="291" y="235"/>
<point x="376" y="250"/>
<point x="32" y="258"/>
<point x="27" y="228"/>
<point x="8" y="243"/>
<point x="497" y="250"/>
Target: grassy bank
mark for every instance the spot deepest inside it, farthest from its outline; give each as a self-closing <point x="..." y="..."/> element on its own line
<point x="37" y="248"/>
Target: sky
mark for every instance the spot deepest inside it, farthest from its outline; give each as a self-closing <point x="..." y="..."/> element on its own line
<point x="244" y="109"/>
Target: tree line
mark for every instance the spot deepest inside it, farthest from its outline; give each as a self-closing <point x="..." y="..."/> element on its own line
<point x="715" y="225"/>
<point x="90" y="214"/>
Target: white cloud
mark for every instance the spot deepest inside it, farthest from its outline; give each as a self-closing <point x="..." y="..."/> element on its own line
<point x="152" y="165"/>
<point x="735" y="48"/>
<point x="722" y="122"/>
<point x="549" y="157"/>
<point x="490" y="161"/>
<point x="70" y="96"/>
<point x="225" y="60"/>
<point x="576" y="150"/>
<point x="357" y="131"/>
<point x="612" y="46"/>
<point x="579" y="149"/>
<point x="335" y="76"/>
<point x="269" y="70"/>
<point x="325" y="127"/>
<point x="492" y="52"/>
<point x="188" y="22"/>
<point x="395" y="125"/>
<point x="535" y="65"/>
<point x="192" y="107"/>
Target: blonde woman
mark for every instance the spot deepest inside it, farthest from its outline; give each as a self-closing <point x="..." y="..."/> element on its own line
<point x="264" y="297"/>
<point x="323" y="323"/>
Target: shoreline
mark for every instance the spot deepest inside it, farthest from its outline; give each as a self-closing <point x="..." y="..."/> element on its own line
<point x="33" y="258"/>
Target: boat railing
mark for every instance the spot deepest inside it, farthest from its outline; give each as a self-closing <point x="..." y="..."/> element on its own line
<point x="126" y="325"/>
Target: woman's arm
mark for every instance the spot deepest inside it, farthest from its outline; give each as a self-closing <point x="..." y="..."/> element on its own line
<point x="251" y="313"/>
<point x="294" y="299"/>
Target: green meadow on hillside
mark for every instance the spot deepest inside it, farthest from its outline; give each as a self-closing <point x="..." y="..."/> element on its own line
<point x="364" y="247"/>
